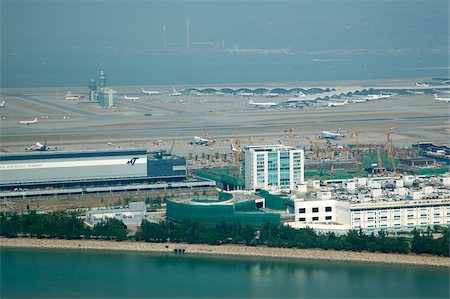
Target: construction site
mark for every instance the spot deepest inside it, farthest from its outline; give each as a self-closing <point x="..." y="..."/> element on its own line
<point x="328" y="159"/>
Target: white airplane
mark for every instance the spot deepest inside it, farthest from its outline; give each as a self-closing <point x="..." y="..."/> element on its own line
<point x="150" y="92"/>
<point x="39" y="147"/>
<point x="175" y="93"/>
<point x="72" y="97"/>
<point x="262" y="105"/>
<point x="2" y="104"/>
<point x="199" y="141"/>
<point x="28" y="122"/>
<point x="418" y="84"/>
<point x="337" y="104"/>
<point x="380" y="96"/>
<point x="299" y="97"/>
<point x="271" y="94"/>
<point x="196" y="93"/>
<point x="130" y="98"/>
<point x="438" y="98"/>
<point x="331" y="135"/>
<point x="363" y="100"/>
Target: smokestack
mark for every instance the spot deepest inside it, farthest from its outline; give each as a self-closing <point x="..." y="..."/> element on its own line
<point x="187" y="35"/>
<point x="164" y="38"/>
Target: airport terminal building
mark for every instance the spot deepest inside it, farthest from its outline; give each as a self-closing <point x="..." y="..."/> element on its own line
<point x="87" y="168"/>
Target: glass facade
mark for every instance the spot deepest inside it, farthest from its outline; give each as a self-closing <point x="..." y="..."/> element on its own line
<point x="273" y="166"/>
<point x="272" y="162"/>
<point x="260" y="169"/>
<point x="297" y="167"/>
<point x="285" y="175"/>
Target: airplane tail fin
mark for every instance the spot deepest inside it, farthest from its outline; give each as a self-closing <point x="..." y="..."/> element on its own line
<point x="436" y="96"/>
<point x="36" y="119"/>
<point x="250" y="102"/>
<point x="346" y="101"/>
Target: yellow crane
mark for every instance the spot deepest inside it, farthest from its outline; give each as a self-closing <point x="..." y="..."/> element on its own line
<point x="380" y="162"/>
<point x="389" y="143"/>
<point x="211" y="149"/>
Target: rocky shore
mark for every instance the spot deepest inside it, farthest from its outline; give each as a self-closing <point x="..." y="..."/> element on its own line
<point x="230" y="250"/>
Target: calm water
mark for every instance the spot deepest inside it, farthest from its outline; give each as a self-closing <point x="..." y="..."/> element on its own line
<point x="58" y="273"/>
<point x="50" y="68"/>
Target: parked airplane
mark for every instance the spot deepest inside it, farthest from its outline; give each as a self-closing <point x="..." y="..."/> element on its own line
<point x="130" y="98"/>
<point x="150" y="92"/>
<point x="418" y="84"/>
<point x="40" y="147"/>
<point x="72" y="97"/>
<point x="199" y="141"/>
<point x="331" y="135"/>
<point x="175" y="93"/>
<point x="196" y="93"/>
<point x="337" y="104"/>
<point x="28" y="122"/>
<point x="246" y="94"/>
<point x="363" y="100"/>
<point x="380" y="96"/>
<point x="2" y="104"/>
<point x="262" y="105"/>
<point x="299" y="97"/>
<point x="271" y="95"/>
<point x="438" y="98"/>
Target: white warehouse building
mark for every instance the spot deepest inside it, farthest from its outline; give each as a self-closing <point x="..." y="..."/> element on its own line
<point x="335" y="215"/>
<point x="273" y="167"/>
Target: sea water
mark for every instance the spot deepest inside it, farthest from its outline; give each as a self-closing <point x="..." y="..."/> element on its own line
<point x="32" y="273"/>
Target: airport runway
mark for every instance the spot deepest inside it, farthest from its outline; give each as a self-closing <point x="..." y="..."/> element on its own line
<point x="156" y="122"/>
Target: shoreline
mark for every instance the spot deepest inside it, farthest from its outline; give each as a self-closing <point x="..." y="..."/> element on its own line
<point x="230" y="251"/>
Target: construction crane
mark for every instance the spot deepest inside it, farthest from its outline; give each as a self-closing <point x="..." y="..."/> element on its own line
<point x="389" y="143"/>
<point x="391" y="152"/>
<point x="315" y="147"/>
<point x="291" y="137"/>
<point x="380" y="162"/>
<point x="171" y="148"/>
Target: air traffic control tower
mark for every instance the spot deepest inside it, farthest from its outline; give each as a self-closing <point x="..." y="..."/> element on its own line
<point x="102" y="79"/>
<point x="92" y="90"/>
<point x="106" y="97"/>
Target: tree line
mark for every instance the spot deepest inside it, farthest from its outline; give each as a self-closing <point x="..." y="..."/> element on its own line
<point x="61" y="225"/>
<point x="65" y="225"/>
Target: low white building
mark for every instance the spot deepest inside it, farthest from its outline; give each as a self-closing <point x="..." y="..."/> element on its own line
<point x="133" y="215"/>
<point x="322" y="211"/>
<point x="387" y="205"/>
<point x="371" y="215"/>
<point x="403" y="214"/>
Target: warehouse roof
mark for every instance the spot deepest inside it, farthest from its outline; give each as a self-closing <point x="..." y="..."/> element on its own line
<point x="70" y="154"/>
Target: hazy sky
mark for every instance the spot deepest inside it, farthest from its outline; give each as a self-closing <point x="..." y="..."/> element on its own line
<point x="301" y="25"/>
<point x="64" y="43"/>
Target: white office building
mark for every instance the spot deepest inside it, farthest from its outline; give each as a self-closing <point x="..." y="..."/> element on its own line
<point x="273" y="167"/>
